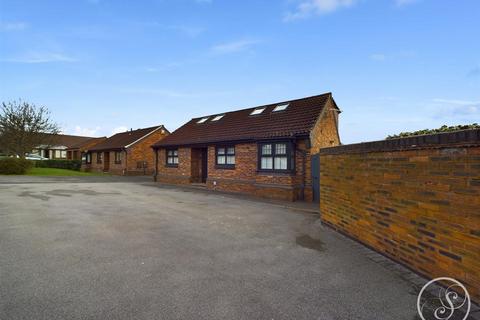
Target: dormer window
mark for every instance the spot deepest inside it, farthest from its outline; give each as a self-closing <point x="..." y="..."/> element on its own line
<point x="216" y="118"/>
<point x="281" y="107"/>
<point x="202" y="120"/>
<point x="257" y="111"/>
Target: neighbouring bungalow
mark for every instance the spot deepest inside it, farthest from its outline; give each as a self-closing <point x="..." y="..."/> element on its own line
<point x="56" y="145"/>
<point x="79" y="150"/>
<point x="269" y="151"/>
<point x="126" y="153"/>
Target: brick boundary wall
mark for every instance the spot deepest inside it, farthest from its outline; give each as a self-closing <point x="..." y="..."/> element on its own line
<point x="416" y="200"/>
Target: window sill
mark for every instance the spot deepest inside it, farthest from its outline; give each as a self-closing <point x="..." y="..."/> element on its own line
<point x="225" y="166"/>
<point x="171" y="165"/>
<point x="276" y="172"/>
<point x="118" y="162"/>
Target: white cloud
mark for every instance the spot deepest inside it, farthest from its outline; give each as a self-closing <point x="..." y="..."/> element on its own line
<point x="317" y="7"/>
<point x="13" y="26"/>
<point x="404" y="2"/>
<point x="42" y="57"/>
<point x="308" y="8"/>
<point x="234" y="46"/>
<point x="86" y="131"/>
<point x="466" y="110"/>
<point x="119" y="130"/>
<point x="392" y="56"/>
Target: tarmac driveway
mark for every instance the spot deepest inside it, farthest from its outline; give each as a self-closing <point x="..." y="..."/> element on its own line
<point x="119" y="248"/>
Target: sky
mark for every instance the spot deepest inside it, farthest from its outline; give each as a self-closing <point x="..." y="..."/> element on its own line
<point x="104" y="66"/>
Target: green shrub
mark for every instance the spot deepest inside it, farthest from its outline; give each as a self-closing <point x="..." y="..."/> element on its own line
<point x="14" y="165"/>
<point x="59" y="164"/>
<point x="432" y="131"/>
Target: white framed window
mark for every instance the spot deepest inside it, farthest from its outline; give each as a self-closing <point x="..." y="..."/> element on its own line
<point x="172" y="157"/>
<point x="203" y="120"/>
<point x="257" y="111"/>
<point x="118" y="157"/>
<point x="275" y="156"/>
<point x="216" y="118"/>
<point x="281" y="107"/>
<point x="225" y="156"/>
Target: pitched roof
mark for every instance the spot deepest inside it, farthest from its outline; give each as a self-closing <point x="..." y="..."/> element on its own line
<point x="297" y="119"/>
<point x="123" y="139"/>
<point x="65" y="140"/>
<point x="87" y="143"/>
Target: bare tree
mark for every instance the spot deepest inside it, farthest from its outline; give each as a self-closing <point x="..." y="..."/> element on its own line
<point x="23" y="127"/>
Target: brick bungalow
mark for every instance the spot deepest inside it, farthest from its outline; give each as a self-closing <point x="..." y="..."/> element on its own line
<point x="78" y="151"/>
<point x="57" y="145"/>
<point x="126" y="153"/>
<point x="265" y="151"/>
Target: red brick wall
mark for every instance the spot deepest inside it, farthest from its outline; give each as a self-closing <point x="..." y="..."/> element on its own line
<point x="140" y="151"/>
<point x="182" y="174"/>
<point x="325" y="133"/>
<point x="244" y="178"/>
<point x="419" y="206"/>
<point x="94" y="166"/>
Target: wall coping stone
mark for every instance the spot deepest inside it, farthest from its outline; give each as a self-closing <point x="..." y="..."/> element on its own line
<point x="462" y="138"/>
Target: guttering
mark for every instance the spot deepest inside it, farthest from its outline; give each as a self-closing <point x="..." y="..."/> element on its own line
<point x="246" y="140"/>
<point x="304" y="172"/>
<point x="156" y="166"/>
<point x="107" y="149"/>
<point x="126" y="159"/>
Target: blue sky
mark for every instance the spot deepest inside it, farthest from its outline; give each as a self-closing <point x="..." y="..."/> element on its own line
<point x="102" y="66"/>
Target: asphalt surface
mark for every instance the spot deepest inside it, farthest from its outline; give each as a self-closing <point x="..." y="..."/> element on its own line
<point x="121" y="248"/>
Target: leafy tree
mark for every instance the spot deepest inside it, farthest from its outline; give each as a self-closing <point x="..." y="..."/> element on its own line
<point x="23" y="127"/>
<point x="431" y="131"/>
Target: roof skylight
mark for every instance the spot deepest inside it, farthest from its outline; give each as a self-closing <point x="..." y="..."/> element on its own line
<point x="216" y="118"/>
<point x="281" y="107"/>
<point x="257" y="111"/>
<point x="202" y="120"/>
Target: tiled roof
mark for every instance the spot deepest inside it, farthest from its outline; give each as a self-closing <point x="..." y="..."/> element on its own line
<point x="65" y="140"/>
<point x="87" y="143"/>
<point x="296" y="120"/>
<point x="123" y="139"/>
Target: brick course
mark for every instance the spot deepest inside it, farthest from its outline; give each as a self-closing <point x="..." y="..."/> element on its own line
<point x="419" y="205"/>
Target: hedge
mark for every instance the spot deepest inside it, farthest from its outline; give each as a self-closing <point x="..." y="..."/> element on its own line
<point x="14" y="165"/>
<point x="59" y="164"/>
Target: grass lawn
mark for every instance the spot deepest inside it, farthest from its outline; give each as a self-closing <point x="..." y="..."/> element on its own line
<point x="60" y="172"/>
